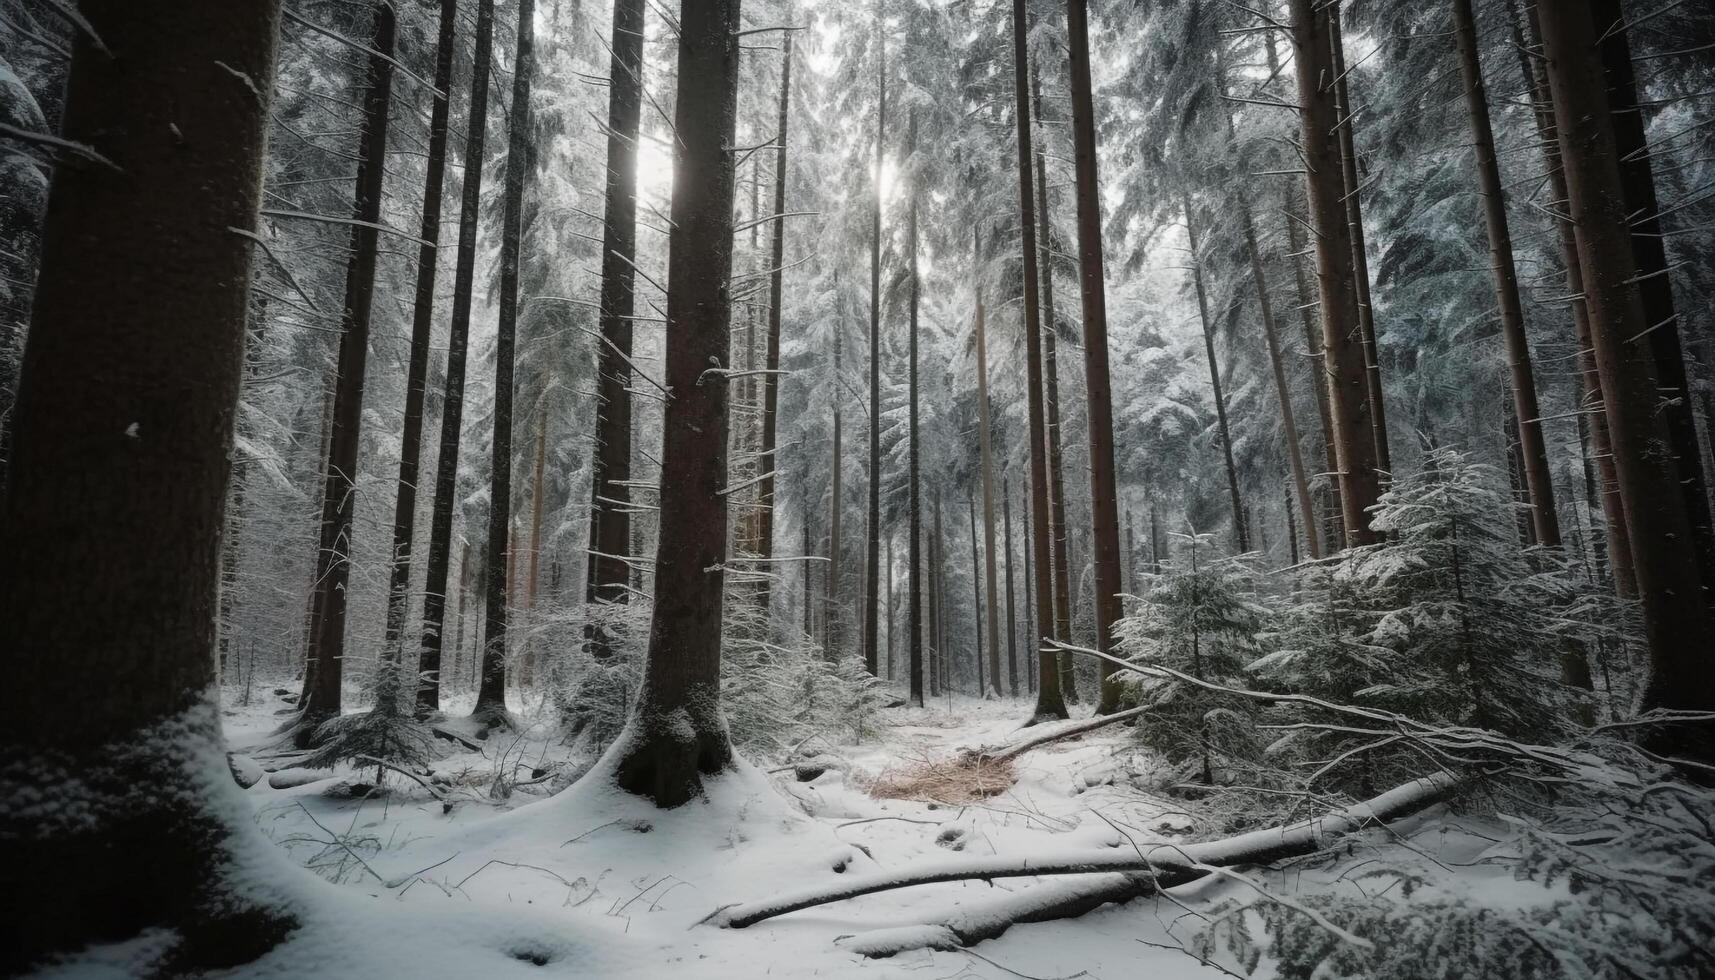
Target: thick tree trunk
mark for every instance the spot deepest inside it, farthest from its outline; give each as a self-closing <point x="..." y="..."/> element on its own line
<point x="1335" y="531"/>
<point x="1664" y="550"/>
<point x="610" y="471"/>
<point x="1032" y="633"/>
<point x="992" y="609"/>
<point x="1532" y="450"/>
<point x="1360" y="252"/>
<point x="677" y="734"/>
<point x="872" y="552"/>
<point x="339" y="497"/>
<point x="1241" y="537"/>
<point x="119" y="815"/>
<point x="490" y="707"/>
<point x="1590" y="382"/>
<point x="1050" y="703"/>
<point x="458" y="341"/>
<point x="1655" y="283"/>
<point x="1344" y="360"/>
<point x="914" y="502"/>
<point x="1011" y="617"/>
<point x="422" y="333"/>
<point x="1104" y="493"/>
<point x="776" y="284"/>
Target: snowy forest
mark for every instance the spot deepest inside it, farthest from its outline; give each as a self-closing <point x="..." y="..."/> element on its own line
<point x="857" y="488"/>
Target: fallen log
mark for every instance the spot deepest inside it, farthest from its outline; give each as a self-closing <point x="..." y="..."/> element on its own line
<point x="1161" y="865"/>
<point x="1058" y="733"/>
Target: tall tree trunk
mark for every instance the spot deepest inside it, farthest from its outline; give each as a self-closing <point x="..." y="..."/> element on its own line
<point x="464" y="597"/>
<point x="1104" y="492"/>
<point x="677" y="734"/>
<point x="1655" y="283"/>
<point x="1664" y="551"/>
<point x="531" y="578"/>
<point x="458" y="341"/>
<point x="609" y="573"/>
<point x="422" y="333"/>
<point x="872" y="552"/>
<point x="914" y="502"/>
<point x="890" y="607"/>
<point x="977" y="602"/>
<point x="339" y="497"/>
<point x="111" y="524"/>
<point x="1241" y="538"/>
<point x="1032" y="631"/>
<point x="992" y="610"/>
<point x="1532" y="450"/>
<point x="490" y="707"/>
<point x="1050" y="703"/>
<point x="1590" y="381"/>
<point x="771" y="381"/>
<point x="1312" y="337"/>
<point x="837" y="492"/>
<point x="1344" y="360"/>
<point x="1011" y="617"/>
<point x="1360" y="253"/>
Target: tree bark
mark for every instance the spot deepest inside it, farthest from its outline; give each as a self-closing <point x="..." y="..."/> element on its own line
<point x="1344" y="360"/>
<point x="458" y="341"/>
<point x="531" y="578"/>
<point x="992" y="610"/>
<point x="1104" y="492"/>
<point x="1241" y="537"/>
<point x="111" y="523"/>
<point x="1011" y="618"/>
<point x="1360" y="253"/>
<point x="1664" y="551"/>
<point x="1532" y="450"/>
<point x="872" y="553"/>
<point x="836" y="503"/>
<point x="677" y="734"/>
<point x="771" y="381"/>
<point x="1655" y="283"/>
<point x="1590" y="382"/>
<point x="422" y="334"/>
<point x="339" y="497"/>
<point x="1050" y="703"/>
<point x="490" y="707"/>
<point x="977" y="602"/>
<point x="610" y="470"/>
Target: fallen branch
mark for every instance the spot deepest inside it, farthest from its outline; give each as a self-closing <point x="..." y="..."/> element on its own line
<point x="1070" y="730"/>
<point x="1161" y="865"/>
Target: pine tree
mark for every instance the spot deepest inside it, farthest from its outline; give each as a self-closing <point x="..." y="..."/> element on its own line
<point x="118" y="815"/>
<point x="677" y="735"/>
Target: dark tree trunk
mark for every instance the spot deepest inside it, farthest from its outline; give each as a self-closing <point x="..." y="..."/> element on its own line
<point x="609" y="573"/>
<point x="1664" y="550"/>
<point x="914" y="502"/>
<point x="1104" y="493"/>
<point x="339" y="497"/>
<point x="1533" y="452"/>
<point x="1011" y="617"/>
<point x="1590" y="381"/>
<point x="1655" y="283"/>
<point x="1050" y="703"/>
<point x="490" y="707"/>
<point x="986" y="453"/>
<point x="111" y="524"/>
<point x="1333" y="527"/>
<point x="872" y="553"/>
<point x="776" y="285"/>
<point x="1241" y="538"/>
<point x="1360" y="253"/>
<point x="677" y="734"/>
<point x="458" y="340"/>
<point x="977" y="600"/>
<point x="1344" y="360"/>
<point x="422" y="331"/>
<point x="1032" y="634"/>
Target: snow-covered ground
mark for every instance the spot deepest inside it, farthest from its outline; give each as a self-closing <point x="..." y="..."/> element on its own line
<point x="593" y="882"/>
